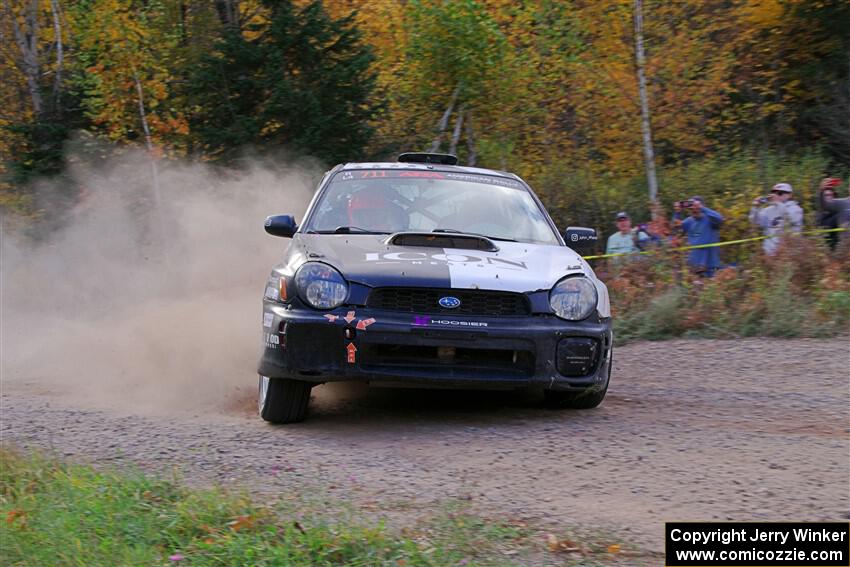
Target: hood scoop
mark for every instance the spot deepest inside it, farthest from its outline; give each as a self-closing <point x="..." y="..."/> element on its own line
<point x="432" y="240"/>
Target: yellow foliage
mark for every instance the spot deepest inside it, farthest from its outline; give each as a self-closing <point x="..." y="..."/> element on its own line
<point x="131" y="51"/>
<point x="564" y="92"/>
<point x="761" y="14"/>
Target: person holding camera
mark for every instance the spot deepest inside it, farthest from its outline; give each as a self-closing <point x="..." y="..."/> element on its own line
<point x="781" y="215"/>
<point x="701" y="227"/>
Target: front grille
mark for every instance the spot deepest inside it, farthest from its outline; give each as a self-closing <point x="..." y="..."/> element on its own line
<point x="457" y="360"/>
<point x="472" y="301"/>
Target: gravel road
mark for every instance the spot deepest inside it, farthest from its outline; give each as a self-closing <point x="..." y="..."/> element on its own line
<point x="755" y="429"/>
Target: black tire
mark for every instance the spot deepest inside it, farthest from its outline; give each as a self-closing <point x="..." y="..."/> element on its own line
<point x="586" y="399"/>
<point x="285" y="401"/>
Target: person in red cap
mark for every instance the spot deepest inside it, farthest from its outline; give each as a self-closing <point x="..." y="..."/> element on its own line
<point x="782" y="215"/>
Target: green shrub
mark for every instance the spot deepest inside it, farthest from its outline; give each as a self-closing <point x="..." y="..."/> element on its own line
<point x="802" y="291"/>
<point x="835" y="306"/>
<point x="786" y="313"/>
<point x="660" y="320"/>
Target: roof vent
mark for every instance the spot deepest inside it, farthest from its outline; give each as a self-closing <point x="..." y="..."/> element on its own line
<point x="421" y="157"/>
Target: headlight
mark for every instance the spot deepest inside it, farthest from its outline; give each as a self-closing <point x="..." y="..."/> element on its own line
<point x="573" y="298"/>
<point x="320" y="286"/>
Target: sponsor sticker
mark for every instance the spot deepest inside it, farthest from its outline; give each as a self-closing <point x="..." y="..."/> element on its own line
<point x="425" y="174"/>
<point x="426" y="320"/>
<point x="486" y="179"/>
<point x="272" y="293"/>
<point x="268" y="319"/>
<point x="272" y="340"/>
<point x="351" y="353"/>
<point x="440" y="258"/>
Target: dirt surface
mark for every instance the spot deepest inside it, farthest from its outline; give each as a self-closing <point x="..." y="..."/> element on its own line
<point x="691" y="430"/>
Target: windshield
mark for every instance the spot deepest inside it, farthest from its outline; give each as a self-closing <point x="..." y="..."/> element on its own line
<point x="386" y="201"/>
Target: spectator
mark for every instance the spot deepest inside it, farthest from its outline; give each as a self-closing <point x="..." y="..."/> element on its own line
<point x="826" y="218"/>
<point x="702" y="227"/>
<point x="833" y="211"/>
<point x="780" y="216"/>
<point x="645" y="238"/>
<point x="679" y="213"/>
<point x="625" y="240"/>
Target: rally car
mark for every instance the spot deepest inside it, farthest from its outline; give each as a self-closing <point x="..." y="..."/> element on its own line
<point x="425" y="273"/>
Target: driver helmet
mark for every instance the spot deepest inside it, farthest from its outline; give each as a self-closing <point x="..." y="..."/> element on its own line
<point x="371" y="208"/>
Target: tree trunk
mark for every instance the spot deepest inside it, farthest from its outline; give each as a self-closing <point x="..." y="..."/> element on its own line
<point x="457" y="130"/>
<point x="228" y="13"/>
<point x="57" y="78"/>
<point x="648" y="152"/>
<point x="148" y="142"/>
<point x="27" y="40"/>
<point x="472" y="155"/>
<point x="183" y="13"/>
<point x="160" y="222"/>
<point x="444" y="121"/>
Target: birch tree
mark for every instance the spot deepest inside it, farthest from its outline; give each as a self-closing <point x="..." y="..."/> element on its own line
<point x="645" y="126"/>
<point x="124" y="51"/>
<point x="26" y="27"/>
<point x="456" y="60"/>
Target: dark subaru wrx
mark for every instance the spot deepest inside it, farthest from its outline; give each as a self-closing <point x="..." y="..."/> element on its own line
<point x="423" y="272"/>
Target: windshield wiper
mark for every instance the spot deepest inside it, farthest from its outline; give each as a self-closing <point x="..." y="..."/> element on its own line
<point x="349" y="230"/>
<point x="455" y="231"/>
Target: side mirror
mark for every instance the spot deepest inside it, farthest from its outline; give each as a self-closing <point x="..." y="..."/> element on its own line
<point x="580" y="239"/>
<point x="281" y="225"/>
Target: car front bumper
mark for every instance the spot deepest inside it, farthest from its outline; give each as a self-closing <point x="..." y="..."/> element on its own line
<point x="435" y="350"/>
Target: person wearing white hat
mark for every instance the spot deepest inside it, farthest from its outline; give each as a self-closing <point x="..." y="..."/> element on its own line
<point x="780" y="216"/>
<point x="626" y="239"/>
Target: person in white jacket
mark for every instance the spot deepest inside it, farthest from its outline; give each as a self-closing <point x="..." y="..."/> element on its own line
<point x="783" y="215"/>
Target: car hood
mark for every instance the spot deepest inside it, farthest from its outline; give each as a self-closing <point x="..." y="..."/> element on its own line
<point x="369" y="260"/>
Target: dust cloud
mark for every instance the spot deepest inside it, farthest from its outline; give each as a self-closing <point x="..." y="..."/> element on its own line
<point x="146" y="295"/>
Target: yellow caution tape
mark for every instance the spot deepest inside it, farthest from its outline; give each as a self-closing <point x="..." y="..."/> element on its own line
<point x="726" y="243"/>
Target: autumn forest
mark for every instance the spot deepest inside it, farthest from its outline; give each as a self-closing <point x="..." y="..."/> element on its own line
<point x="739" y="92"/>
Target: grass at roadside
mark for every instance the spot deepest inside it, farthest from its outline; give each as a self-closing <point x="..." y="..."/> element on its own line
<point x="803" y="291"/>
<point x="61" y="514"/>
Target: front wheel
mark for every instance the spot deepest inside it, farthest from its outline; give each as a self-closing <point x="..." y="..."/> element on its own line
<point x="281" y="400"/>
